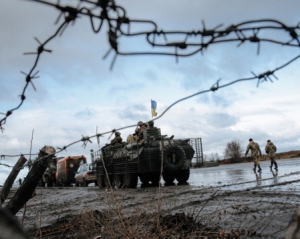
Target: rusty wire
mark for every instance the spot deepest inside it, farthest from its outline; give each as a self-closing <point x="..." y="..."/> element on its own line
<point x="263" y="77"/>
<point x="117" y="20"/>
<point x="240" y="33"/>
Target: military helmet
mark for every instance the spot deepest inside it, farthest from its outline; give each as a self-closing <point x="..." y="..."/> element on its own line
<point x="268" y="140"/>
<point x="151" y="123"/>
<point x="250" y="139"/>
<point x="117" y="134"/>
<point x="140" y="123"/>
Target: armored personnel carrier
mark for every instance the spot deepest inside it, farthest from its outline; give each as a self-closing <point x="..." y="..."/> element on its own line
<point x="120" y="165"/>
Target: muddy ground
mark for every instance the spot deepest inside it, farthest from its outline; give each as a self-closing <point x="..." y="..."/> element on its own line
<point x="175" y="211"/>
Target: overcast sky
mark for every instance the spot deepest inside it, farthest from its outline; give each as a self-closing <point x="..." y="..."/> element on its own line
<point x="77" y="92"/>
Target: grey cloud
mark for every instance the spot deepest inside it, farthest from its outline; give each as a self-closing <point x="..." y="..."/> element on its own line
<point x="151" y="75"/>
<point x="139" y="107"/>
<point x="221" y="120"/>
<point x="135" y="113"/>
<point x="215" y="99"/>
<point x="126" y="88"/>
<point x="85" y="114"/>
<point x="220" y="100"/>
<point x="133" y="116"/>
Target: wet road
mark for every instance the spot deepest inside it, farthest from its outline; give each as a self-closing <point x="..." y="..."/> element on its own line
<point x="241" y="176"/>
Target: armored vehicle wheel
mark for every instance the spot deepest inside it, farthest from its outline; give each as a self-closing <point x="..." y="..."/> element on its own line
<point x="100" y="181"/>
<point x="168" y="178"/>
<point x="183" y="176"/>
<point x="49" y="181"/>
<point x="84" y="184"/>
<point x="130" y="180"/>
<point x="154" y="178"/>
<point x="108" y="182"/>
<point x="118" y="180"/>
<point x="174" y="157"/>
<point x="144" y="179"/>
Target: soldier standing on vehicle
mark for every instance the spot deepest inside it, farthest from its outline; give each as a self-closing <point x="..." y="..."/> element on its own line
<point x="151" y="124"/>
<point x="117" y="139"/>
<point x="255" y="149"/>
<point x="271" y="151"/>
<point x="136" y="133"/>
<point x="143" y="126"/>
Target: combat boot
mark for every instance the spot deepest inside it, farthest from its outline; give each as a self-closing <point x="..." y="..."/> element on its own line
<point x="259" y="169"/>
<point x="271" y="165"/>
<point x="275" y="166"/>
<point x="254" y="168"/>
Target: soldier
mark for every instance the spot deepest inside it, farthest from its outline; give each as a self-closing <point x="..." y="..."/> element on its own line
<point x="117" y="139"/>
<point x="255" y="149"/>
<point x="140" y="135"/>
<point x="139" y="124"/>
<point x="136" y="133"/>
<point x="271" y="150"/>
<point x="134" y="137"/>
<point x="151" y="124"/>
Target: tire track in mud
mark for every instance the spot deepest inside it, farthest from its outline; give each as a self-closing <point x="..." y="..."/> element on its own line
<point x="68" y="202"/>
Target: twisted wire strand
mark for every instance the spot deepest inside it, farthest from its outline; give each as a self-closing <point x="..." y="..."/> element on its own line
<point x="263" y="77"/>
<point x="207" y="36"/>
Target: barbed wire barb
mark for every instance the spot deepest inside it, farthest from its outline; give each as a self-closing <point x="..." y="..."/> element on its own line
<point x="208" y="36"/>
<point x="248" y="31"/>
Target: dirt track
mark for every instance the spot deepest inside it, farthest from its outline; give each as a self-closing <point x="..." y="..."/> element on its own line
<point x="256" y="212"/>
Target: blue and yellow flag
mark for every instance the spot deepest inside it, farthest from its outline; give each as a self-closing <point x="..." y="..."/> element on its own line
<point x="153" y="108"/>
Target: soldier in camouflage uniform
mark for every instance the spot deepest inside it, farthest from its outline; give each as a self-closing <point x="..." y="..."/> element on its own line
<point x="134" y="137"/>
<point x="271" y="151"/>
<point x="151" y="124"/>
<point x="136" y="133"/>
<point x="255" y="149"/>
<point x="143" y="126"/>
<point x="117" y="139"/>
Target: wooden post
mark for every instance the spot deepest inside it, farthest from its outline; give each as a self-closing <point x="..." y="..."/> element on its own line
<point x="10" y="227"/>
<point x="11" y="178"/>
<point x="293" y="231"/>
<point x="27" y="189"/>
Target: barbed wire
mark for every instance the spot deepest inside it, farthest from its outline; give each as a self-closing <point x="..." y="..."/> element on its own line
<point x="115" y="24"/>
<point x="263" y="77"/>
<point x="116" y="18"/>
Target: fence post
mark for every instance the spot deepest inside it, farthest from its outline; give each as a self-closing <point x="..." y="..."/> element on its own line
<point x="27" y="189"/>
<point x="11" y="178"/>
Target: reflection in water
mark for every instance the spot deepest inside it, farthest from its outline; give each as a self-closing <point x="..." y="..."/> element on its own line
<point x="258" y="178"/>
<point x="232" y="175"/>
<point x="275" y="174"/>
<point x="236" y="172"/>
<point x="183" y="184"/>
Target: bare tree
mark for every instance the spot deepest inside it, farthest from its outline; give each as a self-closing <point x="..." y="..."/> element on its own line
<point x="233" y="149"/>
<point x="212" y="157"/>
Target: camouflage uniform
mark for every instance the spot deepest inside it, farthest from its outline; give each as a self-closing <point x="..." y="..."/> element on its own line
<point x="271" y="151"/>
<point x="130" y="139"/>
<point x="151" y="124"/>
<point x="136" y="133"/>
<point x="143" y="126"/>
<point x="255" y="149"/>
<point x="117" y="139"/>
<point x="134" y="137"/>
